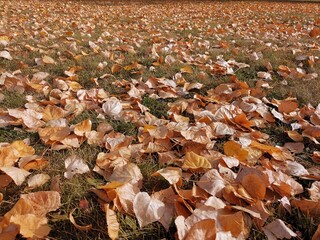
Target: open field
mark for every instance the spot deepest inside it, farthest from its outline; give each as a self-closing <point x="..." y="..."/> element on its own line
<point x="159" y="120"/>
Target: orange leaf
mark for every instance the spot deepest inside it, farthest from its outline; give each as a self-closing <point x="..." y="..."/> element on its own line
<point x="204" y="229"/>
<point x="242" y="121"/>
<point x="307" y="206"/>
<point x="287" y="106"/>
<point x="295" y="136"/>
<point x="233" y="149"/>
<point x="315" y="32"/>
<point x="254" y="185"/>
<point x="116" y="68"/>
<point x="233" y="223"/>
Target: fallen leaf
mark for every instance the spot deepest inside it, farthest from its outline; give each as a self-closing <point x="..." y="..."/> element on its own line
<point x="83" y="127"/>
<point x="186" y="69"/>
<point x="112" y="222"/>
<point x="48" y="60"/>
<point x="75" y="165"/>
<point x="212" y="182"/>
<point x="314" y="191"/>
<point x="171" y="174"/>
<point x="278" y="230"/>
<point x="233" y="149"/>
<point x="31" y="226"/>
<point x="37" y="180"/>
<point x="287" y="106"/>
<point x="309" y="207"/>
<point x="204" y="229"/>
<point x="112" y="107"/>
<point x="193" y="161"/>
<point x="77" y="226"/>
<point x="146" y="209"/>
<point x="5" y="55"/>
<point x="127" y="173"/>
<point x="233" y="222"/>
<point x="18" y="175"/>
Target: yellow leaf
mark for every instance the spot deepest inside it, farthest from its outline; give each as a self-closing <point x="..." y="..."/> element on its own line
<point x="193" y="161"/>
<point x="112" y="222"/>
<point x="23" y="149"/>
<point x="48" y="60"/>
<point x="31" y="226"/>
<point x="186" y="69"/>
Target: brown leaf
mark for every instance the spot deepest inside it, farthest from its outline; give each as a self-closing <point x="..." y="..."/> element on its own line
<point x="186" y="69"/>
<point x="309" y="207"/>
<point x="77" y="226"/>
<point x="233" y="222"/>
<point x="295" y="136"/>
<point x="287" y="106"/>
<point x="52" y="112"/>
<point x="204" y="229"/>
<point x="116" y="68"/>
<point x="315" y="32"/>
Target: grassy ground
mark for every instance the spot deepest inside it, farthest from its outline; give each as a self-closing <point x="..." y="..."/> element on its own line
<point x="263" y="35"/>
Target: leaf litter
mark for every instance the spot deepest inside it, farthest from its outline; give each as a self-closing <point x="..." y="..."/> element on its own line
<point x="237" y="184"/>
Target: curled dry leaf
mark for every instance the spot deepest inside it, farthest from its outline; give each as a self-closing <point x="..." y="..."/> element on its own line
<point x="75" y="165"/>
<point x="18" y="175"/>
<point x="5" y="55"/>
<point x="37" y="180"/>
<point x="83" y="127"/>
<point x="112" y="222"/>
<point x="278" y="230"/>
<point x="172" y="174"/>
<point x="112" y="107"/>
<point x="314" y="191"/>
<point x="77" y="226"/>
<point x="147" y="209"/>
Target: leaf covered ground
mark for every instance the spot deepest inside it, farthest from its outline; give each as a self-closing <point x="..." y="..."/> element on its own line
<point x="159" y="120"/>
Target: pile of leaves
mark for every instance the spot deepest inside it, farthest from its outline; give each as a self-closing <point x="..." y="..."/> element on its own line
<point x="221" y="174"/>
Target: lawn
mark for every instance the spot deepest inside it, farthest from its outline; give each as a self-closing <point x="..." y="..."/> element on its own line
<point x="159" y="120"/>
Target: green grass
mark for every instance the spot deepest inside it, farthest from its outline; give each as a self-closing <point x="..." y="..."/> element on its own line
<point x="137" y="27"/>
